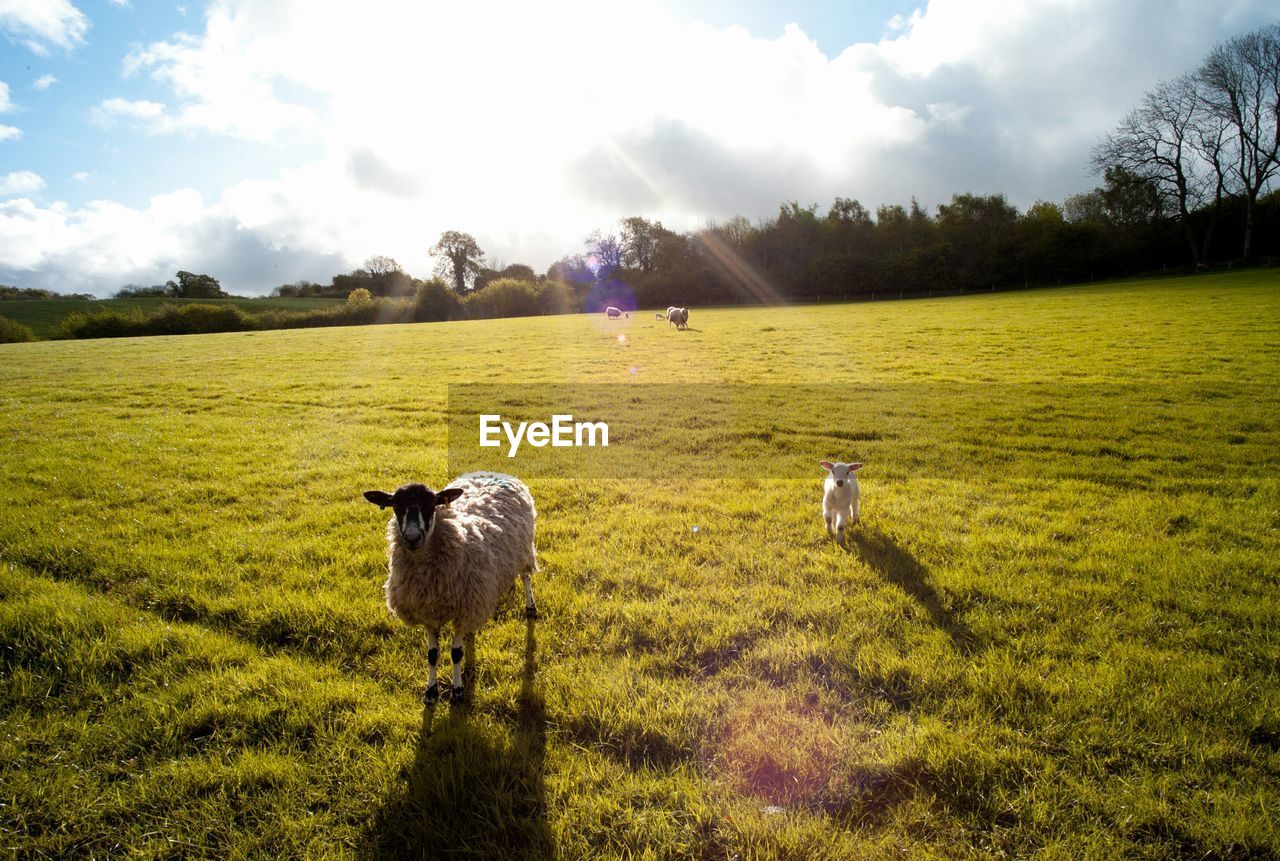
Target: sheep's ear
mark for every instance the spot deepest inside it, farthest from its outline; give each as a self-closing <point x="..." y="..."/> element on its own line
<point x="825" y="464"/>
<point x="380" y="498"/>
<point x="854" y="467"/>
<point x="449" y="494"/>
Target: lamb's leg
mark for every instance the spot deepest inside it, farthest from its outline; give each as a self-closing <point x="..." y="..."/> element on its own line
<point x="857" y="509"/>
<point x="827" y="517"/>
<point x="841" y="522"/>
<point x="456" y="653"/>
<point x="433" y="657"/>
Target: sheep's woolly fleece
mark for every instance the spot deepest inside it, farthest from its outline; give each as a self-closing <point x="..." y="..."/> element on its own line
<point x="478" y="545"/>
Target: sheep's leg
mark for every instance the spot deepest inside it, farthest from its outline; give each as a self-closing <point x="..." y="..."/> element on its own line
<point x="433" y="657"/>
<point x="456" y="653"/>
<point x="857" y="512"/>
<point x="530" y="609"/>
<point x="827" y="518"/>
<point x="841" y="522"/>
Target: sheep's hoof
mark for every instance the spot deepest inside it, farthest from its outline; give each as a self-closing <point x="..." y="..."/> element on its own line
<point x="432" y="694"/>
<point x="458" y="695"/>
<point x="531" y="612"/>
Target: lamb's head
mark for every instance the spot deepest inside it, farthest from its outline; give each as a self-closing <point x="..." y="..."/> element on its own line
<point x="415" y="508"/>
<point x="841" y="472"/>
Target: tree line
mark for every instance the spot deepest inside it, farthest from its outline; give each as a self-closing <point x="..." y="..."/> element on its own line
<point x="7" y="293"/>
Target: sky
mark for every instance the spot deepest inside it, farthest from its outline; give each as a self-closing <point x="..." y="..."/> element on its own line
<point x="268" y="141"/>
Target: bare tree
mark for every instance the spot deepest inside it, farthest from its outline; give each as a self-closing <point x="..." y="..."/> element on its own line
<point x="459" y="258"/>
<point x="380" y="265"/>
<point x="1156" y="141"/>
<point x="1212" y="142"/>
<point x="607" y="250"/>
<point x="1241" y="80"/>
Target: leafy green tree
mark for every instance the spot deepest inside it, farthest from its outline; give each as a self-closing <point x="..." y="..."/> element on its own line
<point x="435" y="302"/>
<point x="459" y="259"/>
<point x="639" y="242"/>
<point x="505" y="297"/>
<point x="189" y="285"/>
<point x="517" y="271"/>
<point x="135" y="291"/>
<point x="845" y="211"/>
<point x="977" y="233"/>
<point x="12" y="332"/>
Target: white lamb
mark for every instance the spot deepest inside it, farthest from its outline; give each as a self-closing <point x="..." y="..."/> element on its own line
<point x="840" y="494"/>
<point x="453" y="554"/>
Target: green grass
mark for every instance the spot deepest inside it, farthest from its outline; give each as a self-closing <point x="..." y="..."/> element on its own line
<point x="44" y="315"/>
<point x="1055" y="634"/>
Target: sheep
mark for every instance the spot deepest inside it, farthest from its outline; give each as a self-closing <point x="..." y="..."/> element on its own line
<point x="840" y="492"/>
<point x="613" y="313"/>
<point x="679" y="316"/>
<point x="658" y="315"/>
<point x="453" y="554"/>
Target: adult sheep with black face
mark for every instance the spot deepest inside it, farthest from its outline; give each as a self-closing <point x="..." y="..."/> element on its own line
<point x="453" y="554"/>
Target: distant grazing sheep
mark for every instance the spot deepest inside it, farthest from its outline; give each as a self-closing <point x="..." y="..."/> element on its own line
<point x="614" y="313"/>
<point x="679" y="316"/>
<point x="840" y="492"/>
<point x="453" y="554"/>
<point x="658" y="315"/>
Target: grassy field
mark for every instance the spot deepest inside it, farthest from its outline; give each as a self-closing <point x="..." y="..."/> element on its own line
<point x="1055" y="634"/>
<point x="44" y="315"/>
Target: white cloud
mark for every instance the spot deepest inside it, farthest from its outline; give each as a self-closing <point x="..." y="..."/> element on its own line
<point x="111" y="111"/>
<point x="7" y="133"/>
<point x="103" y="245"/>
<point x="225" y="82"/>
<point x="44" y="82"/>
<point x="41" y="24"/>
<point x="20" y="182"/>
<point x="80" y="176"/>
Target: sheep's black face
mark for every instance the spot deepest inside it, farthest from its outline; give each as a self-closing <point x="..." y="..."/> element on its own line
<point x="415" y="509"/>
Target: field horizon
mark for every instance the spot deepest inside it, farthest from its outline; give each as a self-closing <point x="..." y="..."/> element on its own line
<point x="1055" y="633"/>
